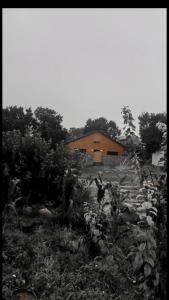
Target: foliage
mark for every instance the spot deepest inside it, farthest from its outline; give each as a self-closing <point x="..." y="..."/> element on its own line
<point x="45" y="121"/>
<point x="88" y="248"/>
<point x="163" y="128"/>
<point x="132" y="149"/>
<point x="104" y="125"/>
<point x="49" y="125"/>
<point x="97" y="256"/>
<point x="145" y="253"/>
<point x="15" y="118"/>
<point x="128" y="119"/>
<point x="38" y="167"/>
<point x="54" y="263"/>
<point x="149" y="132"/>
<point x="145" y="233"/>
<point x="104" y="223"/>
<point x="136" y="152"/>
<point x="75" y="132"/>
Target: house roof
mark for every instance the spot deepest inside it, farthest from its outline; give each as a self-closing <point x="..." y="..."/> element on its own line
<point x="69" y="140"/>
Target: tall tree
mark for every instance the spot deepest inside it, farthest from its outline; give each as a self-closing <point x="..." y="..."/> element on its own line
<point x="150" y="134"/>
<point x="14" y="117"/>
<point x="44" y="120"/>
<point x="104" y="125"/>
<point x="129" y="127"/>
<point x="49" y="125"/>
<point x="113" y="130"/>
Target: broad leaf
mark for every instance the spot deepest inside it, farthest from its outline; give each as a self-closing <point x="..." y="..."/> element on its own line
<point x="138" y="261"/>
<point x="147" y="270"/>
<point x="156" y="281"/>
<point x="150" y="221"/>
<point x="150" y="261"/>
<point x="142" y="246"/>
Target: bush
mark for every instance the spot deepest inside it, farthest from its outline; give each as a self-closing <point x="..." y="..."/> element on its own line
<point x="39" y="168"/>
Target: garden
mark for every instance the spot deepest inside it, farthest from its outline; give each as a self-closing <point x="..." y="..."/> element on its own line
<point x="69" y="236"/>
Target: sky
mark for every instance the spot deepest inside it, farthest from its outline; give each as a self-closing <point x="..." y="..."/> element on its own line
<point x="85" y="63"/>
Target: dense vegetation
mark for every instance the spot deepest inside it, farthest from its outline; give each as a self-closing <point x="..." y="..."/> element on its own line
<point x="45" y="121"/>
<point x="149" y="132"/>
<point x="100" y="124"/>
<point x="58" y="241"/>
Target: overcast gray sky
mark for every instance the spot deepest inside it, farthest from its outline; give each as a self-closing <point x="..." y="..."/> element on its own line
<point x="85" y="63"/>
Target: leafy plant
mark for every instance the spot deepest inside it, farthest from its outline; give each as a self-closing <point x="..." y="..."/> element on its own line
<point x="39" y="168"/>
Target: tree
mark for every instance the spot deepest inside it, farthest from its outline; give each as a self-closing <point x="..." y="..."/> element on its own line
<point x="30" y="120"/>
<point x="150" y="134"/>
<point x="129" y="127"/>
<point x="163" y="128"/>
<point x="14" y="118"/>
<point x="49" y="125"/>
<point x="113" y="130"/>
<point x="104" y="125"/>
<point x="75" y="132"/>
<point x="44" y="120"/>
<point x="135" y="149"/>
<point x="39" y="168"/>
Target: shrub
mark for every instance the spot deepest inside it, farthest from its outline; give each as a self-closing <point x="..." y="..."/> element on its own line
<point x="39" y="168"/>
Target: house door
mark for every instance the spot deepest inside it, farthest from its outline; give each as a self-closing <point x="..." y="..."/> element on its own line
<point x="97" y="155"/>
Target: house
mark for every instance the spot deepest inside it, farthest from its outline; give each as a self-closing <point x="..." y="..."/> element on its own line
<point x="158" y="158"/>
<point x="96" y="144"/>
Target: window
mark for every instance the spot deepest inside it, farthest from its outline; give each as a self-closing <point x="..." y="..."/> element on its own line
<point x="96" y="142"/>
<point x="112" y="153"/>
<point x="95" y="150"/>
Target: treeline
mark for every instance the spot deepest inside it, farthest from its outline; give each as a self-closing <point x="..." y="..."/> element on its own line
<point x="45" y="121"/>
<point x="48" y="123"/>
<point x="33" y="149"/>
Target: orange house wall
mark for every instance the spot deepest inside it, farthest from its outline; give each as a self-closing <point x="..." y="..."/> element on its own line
<point x="88" y="144"/>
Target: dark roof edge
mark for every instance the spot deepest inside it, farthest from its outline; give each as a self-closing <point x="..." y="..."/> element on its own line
<point x="92" y="132"/>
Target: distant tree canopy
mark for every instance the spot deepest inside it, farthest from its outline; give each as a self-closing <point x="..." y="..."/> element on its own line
<point x="49" y="124"/>
<point x="76" y="132"/>
<point x="44" y="120"/>
<point x="104" y="125"/>
<point x="14" y="118"/>
<point x="149" y="133"/>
